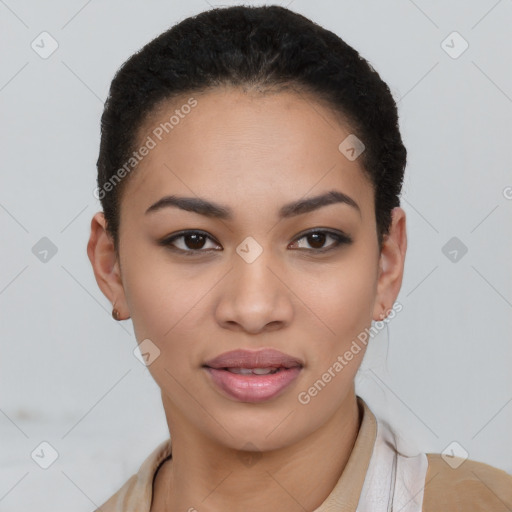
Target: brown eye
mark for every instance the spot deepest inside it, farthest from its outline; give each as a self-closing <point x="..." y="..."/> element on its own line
<point x="316" y="240"/>
<point x="194" y="241"/>
<point x="191" y="242"/>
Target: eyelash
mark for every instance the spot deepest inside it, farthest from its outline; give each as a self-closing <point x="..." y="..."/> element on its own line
<point x="340" y="239"/>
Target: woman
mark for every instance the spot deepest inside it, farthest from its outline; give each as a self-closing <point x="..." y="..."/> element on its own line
<point x="249" y="172"/>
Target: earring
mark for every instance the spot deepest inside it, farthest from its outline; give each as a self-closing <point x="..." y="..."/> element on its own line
<point x="115" y="313"/>
<point x="382" y="316"/>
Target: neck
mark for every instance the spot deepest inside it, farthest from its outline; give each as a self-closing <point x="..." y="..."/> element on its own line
<point x="205" y="476"/>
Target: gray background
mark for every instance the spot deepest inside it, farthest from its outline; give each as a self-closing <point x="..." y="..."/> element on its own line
<point x="68" y="375"/>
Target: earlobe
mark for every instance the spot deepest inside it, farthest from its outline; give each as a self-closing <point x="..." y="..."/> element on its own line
<point x="103" y="258"/>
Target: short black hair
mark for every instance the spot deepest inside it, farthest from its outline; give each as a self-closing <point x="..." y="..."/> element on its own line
<point x="265" y="48"/>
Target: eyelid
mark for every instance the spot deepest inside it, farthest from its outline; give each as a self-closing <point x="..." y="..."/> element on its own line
<point x="329" y="231"/>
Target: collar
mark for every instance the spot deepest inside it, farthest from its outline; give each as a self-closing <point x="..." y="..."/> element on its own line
<point x="345" y="495"/>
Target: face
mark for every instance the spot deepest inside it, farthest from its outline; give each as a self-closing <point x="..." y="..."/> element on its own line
<point x="261" y="268"/>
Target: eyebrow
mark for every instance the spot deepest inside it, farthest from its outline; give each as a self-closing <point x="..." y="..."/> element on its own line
<point x="215" y="210"/>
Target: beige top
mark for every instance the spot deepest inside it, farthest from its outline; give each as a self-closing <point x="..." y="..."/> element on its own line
<point x="468" y="487"/>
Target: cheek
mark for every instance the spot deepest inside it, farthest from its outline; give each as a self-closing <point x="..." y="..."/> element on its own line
<point x="157" y="292"/>
<point x="166" y="303"/>
<point x="345" y="306"/>
<point x="342" y="299"/>
<point x="344" y="303"/>
<point x="151" y="295"/>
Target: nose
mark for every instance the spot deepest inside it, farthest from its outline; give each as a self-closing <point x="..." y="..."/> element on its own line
<point x="255" y="297"/>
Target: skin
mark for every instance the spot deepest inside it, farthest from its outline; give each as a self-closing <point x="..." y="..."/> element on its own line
<point x="252" y="153"/>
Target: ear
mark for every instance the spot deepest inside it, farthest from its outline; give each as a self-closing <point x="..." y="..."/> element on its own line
<point x="391" y="264"/>
<point x="105" y="264"/>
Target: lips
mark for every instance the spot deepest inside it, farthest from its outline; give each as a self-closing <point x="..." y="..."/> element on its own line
<point x="253" y="376"/>
<point x="264" y="358"/>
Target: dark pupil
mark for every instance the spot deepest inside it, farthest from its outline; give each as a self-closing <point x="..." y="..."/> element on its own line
<point x="316" y="237"/>
<point x="197" y="241"/>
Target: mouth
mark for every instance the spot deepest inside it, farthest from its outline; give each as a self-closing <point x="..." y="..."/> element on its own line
<point x="253" y="376"/>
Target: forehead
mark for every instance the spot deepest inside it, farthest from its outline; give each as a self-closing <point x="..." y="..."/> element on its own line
<point x="245" y="146"/>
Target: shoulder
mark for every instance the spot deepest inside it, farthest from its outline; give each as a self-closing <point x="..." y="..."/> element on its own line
<point x="465" y="485"/>
<point x="137" y="492"/>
